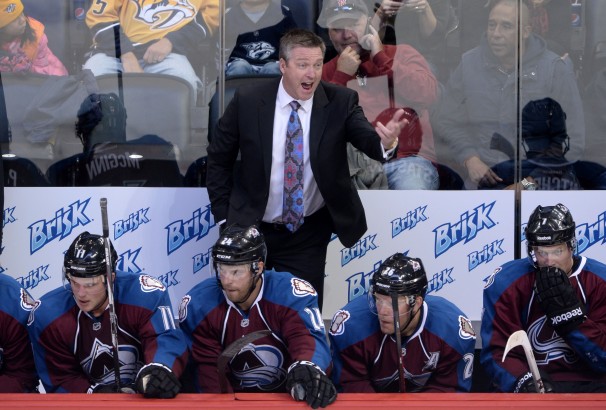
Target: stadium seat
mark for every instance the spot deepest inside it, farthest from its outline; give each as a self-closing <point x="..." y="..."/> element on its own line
<point x="148" y="161"/>
<point x="21" y="172"/>
<point x="157" y="104"/>
<point x="20" y="89"/>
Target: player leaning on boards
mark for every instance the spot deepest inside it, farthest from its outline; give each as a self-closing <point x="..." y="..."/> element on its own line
<point x="558" y="298"/>
<point x="217" y="314"/>
<point x="72" y="336"/>
<point x="436" y="339"/>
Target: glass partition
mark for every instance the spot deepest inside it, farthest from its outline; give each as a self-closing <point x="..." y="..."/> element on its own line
<point x="494" y="99"/>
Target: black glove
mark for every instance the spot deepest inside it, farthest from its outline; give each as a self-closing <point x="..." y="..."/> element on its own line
<point x="525" y="384"/>
<point x="306" y="381"/>
<point x="110" y="388"/>
<point x="157" y="381"/>
<point x="558" y="299"/>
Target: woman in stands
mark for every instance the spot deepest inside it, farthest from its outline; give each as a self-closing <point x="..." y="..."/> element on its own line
<point x="23" y="44"/>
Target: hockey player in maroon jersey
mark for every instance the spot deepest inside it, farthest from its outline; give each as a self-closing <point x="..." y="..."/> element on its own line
<point x="72" y="336"/>
<point x="437" y="340"/>
<point x="557" y="297"/>
<point x="245" y="298"/>
<point x="17" y="370"/>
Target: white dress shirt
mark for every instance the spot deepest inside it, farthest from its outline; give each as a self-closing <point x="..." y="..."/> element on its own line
<point x="313" y="200"/>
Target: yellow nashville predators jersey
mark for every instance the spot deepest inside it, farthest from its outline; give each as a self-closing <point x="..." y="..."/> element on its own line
<point x="146" y="20"/>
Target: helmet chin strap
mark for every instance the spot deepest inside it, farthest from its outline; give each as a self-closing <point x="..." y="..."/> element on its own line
<point x="253" y="283"/>
<point x="411" y="316"/>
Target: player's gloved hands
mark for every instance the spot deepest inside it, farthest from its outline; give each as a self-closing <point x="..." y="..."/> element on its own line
<point x="306" y="381"/>
<point x="110" y="388"/>
<point x="525" y="384"/>
<point x="558" y="299"/>
<point x="157" y="381"/>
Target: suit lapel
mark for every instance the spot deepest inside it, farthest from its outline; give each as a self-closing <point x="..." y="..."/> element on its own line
<point x="265" y="118"/>
<point x="319" y="119"/>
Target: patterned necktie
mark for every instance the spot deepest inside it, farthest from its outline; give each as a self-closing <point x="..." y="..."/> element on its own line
<point x="292" y="210"/>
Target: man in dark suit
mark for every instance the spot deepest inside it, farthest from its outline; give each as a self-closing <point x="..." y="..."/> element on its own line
<point x="255" y="124"/>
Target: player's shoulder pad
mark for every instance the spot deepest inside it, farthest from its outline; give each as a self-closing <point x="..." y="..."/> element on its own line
<point x="51" y="305"/>
<point x="286" y="289"/>
<point x="506" y="274"/>
<point x="200" y="300"/>
<point x="449" y="322"/>
<point x="353" y="322"/>
<point x="596" y="267"/>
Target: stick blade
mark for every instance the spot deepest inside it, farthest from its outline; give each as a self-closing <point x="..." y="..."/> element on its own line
<point x="519" y="338"/>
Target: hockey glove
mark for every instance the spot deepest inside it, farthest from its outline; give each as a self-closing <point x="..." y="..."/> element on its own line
<point x="525" y="384"/>
<point x="558" y="299"/>
<point x="157" y="381"/>
<point x="306" y="381"/>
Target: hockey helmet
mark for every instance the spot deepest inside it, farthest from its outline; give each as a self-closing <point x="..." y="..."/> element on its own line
<point x="238" y="245"/>
<point x="85" y="257"/>
<point x="400" y="274"/>
<point x="550" y="225"/>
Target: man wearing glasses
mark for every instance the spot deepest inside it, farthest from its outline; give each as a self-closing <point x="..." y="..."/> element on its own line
<point x="557" y="297"/>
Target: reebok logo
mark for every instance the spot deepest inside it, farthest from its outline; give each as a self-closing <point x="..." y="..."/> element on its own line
<point x="543" y="238"/>
<point x="564" y="317"/>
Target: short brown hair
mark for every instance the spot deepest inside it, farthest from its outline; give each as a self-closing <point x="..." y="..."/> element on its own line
<point x="299" y="38"/>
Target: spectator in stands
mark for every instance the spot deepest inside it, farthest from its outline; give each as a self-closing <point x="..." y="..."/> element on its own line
<point x="551" y="20"/>
<point x="480" y="97"/>
<point x="385" y="77"/>
<point x="435" y="337"/>
<point x="252" y="36"/>
<point x="23" y="44"/>
<point x="106" y="158"/>
<point x="422" y="24"/>
<point x="557" y="297"/>
<point x="150" y="36"/>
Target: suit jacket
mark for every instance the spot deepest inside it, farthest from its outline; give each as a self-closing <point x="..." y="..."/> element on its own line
<point x="246" y="127"/>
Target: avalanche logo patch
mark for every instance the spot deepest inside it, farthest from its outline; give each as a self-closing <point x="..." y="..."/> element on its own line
<point x="465" y="329"/>
<point x="490" y="280"/>
<point x="337" y="326"/>
<point x="150" y="284"/>
<point x="183" y="307"/>
<point x="28" y="303"/>
<point x="302" y="288"/>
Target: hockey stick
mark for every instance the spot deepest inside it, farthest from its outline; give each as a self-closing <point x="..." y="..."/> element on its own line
<point x="520" y="338"/>
<point x="232" y="350"/>
<point x="396" y="324"/>
<point x="113" y="319"/>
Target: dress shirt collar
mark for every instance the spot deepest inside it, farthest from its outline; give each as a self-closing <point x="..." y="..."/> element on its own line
<point x="284" y="99"/>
